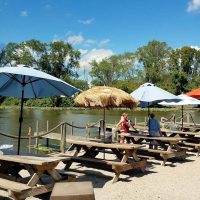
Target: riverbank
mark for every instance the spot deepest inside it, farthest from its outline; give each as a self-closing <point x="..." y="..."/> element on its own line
<point x="162" y="109"/>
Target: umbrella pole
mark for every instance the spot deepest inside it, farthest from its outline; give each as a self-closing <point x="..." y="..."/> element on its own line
<point x="20" y="121"/>
<point x="104" y="129"/>
<point x="148" y="119"/>
<point x="182" y="116"/>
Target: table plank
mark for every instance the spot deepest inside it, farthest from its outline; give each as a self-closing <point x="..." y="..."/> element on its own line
<point x="161" y="138"/>
<point x="32" y="160"/>
<point x="105" y="145"/>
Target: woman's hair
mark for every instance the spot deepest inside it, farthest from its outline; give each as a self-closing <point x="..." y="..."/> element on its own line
<point x="124" y="114"/>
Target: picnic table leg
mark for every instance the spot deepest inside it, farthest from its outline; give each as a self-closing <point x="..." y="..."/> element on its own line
<point x="198" y="151"/>
<point x="56" y="176"/>
<point x="35" y="178"/>
<point x="164" y="160"/>
<point x="116" y="177"/>
<point x="69" y="163"/>
<point x="169" y="148"/>
<point x="117" y="153"/>
<point x="12" y="195"/>
<point x="135" y="157"/>
<point x="124" y="159"/>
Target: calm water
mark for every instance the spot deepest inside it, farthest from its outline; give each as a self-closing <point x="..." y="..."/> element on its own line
<point x="9" y="120"/>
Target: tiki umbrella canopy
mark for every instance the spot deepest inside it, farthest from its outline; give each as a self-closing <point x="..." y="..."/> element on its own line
<point x="194" y="93"/>
<point x="25" y="82"/>
<point x="105" y="97"/>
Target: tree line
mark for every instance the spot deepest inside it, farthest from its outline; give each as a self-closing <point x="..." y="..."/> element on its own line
<point x="175" y="70"/>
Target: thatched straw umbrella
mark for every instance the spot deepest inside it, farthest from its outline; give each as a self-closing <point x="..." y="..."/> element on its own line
<point x="105" y="97"/>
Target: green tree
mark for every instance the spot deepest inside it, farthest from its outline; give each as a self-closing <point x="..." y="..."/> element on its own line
<point x="2" y="55"/>
<point x="11" y="50"/>
<point x="154" y="58"/>
<point x="184" y="65"/>
<point x="60" y="59"/>
<point x="180" y="81"/>
<point x="27" y="53"/>
<point x="110" y="70"/>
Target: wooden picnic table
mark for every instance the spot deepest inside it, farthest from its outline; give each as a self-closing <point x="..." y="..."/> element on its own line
<point x="14" y="186"/>
<point x="126" y="154"/>
<point x="192" y="138"/>
<point x="169" y="145"/>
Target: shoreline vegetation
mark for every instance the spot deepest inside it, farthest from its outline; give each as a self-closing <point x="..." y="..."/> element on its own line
<point x="81" y="108"/>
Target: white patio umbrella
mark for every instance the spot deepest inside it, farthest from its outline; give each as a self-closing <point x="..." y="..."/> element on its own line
<point x="148" y="94"/>
<point x="25" y="82"/>
<point x="185" y="100"/>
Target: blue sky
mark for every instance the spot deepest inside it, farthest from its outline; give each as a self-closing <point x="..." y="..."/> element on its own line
<point x="100" y="28"/>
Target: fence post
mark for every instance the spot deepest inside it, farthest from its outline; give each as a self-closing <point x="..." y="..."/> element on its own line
<point x="188" y="118"/>
<point x="47" y="140"/>
<point x="63" y="138"/>
<point x="87" y="131"/>
<point x="145" y="121"/>
<point x="37" y="134"/>
<point x="72" y="130"/>
<point x="29" y="138"/>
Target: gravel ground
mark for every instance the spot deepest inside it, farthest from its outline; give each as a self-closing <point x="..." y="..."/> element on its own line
<point x="178" y="180"/>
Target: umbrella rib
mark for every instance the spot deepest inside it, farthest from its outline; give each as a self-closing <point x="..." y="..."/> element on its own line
<point x="13" y="77"/>
<point x="55" y="87"/>
<point x="31" y="83"/>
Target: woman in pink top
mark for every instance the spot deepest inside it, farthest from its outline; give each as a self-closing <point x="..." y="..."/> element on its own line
<point x="123" y="126"/>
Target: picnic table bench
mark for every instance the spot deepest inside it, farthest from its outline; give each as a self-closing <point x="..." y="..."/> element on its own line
<point x="192" y="138"/>
<point x="14" y="186"/>
<point x="126" y="154"/>
<point x="170" y="146"/>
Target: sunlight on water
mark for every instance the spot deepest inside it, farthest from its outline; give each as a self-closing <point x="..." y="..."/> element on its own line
<point x="9" y="121"/>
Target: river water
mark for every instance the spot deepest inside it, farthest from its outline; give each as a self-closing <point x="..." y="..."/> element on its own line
<point x="9" y="120"/>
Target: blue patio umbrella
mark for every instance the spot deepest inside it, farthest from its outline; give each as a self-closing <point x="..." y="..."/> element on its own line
<point x="148" y="94"/>
<point x="25" y="82"/>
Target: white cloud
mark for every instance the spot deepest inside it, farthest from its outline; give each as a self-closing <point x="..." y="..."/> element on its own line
<point x="94" y="54"/>
<point x="69" y="33"/>
<point x="83" y="51"/>
<point x="24" y="13"/>
<point x="193" y="5"/>
<point x="104" y="42"/>
<point x="56" y="38"/>
<point x="90" y="42"/>
<point x="87" y="21"/>
<point x="75" y="39"/>
<point x="195" y="47"/>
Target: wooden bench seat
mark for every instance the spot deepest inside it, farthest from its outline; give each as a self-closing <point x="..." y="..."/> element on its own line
<point x="145" y="157"/>
<point x="13" y="186"/>
<point x="73" y="191"/>
<point x="116" y="166"/>
<point x="17" y="191"/>
<point x="100" y="161"/>
<point x="194" y="145"/>
<point x="165" y="155"/>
